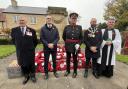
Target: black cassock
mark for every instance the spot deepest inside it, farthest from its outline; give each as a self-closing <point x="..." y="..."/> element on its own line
<point x="25" y="46"/>
<point x="107" y="59"/>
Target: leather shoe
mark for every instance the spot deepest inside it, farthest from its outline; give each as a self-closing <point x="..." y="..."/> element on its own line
<point x="95" y="75"/>
<point x="66" y="73"/>
<point x="33" y="79"/>
<point x="46" y="76"/>
<point x="85" y="74"/>
<point x="56" y="75"/>
<point x="74" y="75"/>
<point x="25" y="80"/>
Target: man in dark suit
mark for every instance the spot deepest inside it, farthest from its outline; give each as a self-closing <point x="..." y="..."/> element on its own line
<point x="72" y="37"/>
<point x="25" y="40"/>
<point x="92" y="40"/>
<point x="49" y="37"/>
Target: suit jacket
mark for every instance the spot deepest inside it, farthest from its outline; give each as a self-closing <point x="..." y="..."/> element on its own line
<point x="49" y="35"/>
<point x="92" y="41"/>
<point x="25" y="45"/>
<point x="71" y="33"/>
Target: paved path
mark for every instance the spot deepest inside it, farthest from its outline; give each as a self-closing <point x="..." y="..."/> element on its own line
<point x="119" y="81"/>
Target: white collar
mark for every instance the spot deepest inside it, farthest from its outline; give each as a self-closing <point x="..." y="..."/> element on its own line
<point x="49" y="25"/>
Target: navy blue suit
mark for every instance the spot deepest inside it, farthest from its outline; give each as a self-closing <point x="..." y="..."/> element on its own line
<point x="49" y="35"/>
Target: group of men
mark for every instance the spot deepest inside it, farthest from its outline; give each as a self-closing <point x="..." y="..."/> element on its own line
<point x="101" y="46"/>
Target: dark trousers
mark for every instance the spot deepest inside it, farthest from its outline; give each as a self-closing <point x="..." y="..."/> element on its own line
<point x="94" y="64"/>
<point x="28" y="70"/>
<point x="75" y="62"/>
<point x="46" y="60"/>
<point x="107" y="71"/>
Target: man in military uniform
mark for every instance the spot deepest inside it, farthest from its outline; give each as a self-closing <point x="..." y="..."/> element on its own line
<point x="72" y="36"/>
<point x="49" y="37"/>
<point x="92" y="40"/>
<point x="25" y="40"/>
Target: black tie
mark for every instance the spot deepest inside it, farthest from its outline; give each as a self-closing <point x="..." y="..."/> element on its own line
<point x="22" y="30"/>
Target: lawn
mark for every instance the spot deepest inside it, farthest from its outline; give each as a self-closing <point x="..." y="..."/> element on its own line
<point x="39" y="46"/>
<point x="6" y="50"/>
<point x="123" y="58"/>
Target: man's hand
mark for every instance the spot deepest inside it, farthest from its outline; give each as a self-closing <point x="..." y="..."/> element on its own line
<point x="93" y="49"/>
<point x="77" y="46"/>
<point x="51" y="46"/>
<point x="108" y="43"/>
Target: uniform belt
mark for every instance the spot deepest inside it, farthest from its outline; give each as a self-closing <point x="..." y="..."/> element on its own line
<point x="72" y="41"/>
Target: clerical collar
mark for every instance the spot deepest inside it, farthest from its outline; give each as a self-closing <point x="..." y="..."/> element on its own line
<point x="109" y="29"/>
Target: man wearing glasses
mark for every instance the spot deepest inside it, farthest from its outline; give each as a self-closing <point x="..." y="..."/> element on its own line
<point x="49" y="38"/>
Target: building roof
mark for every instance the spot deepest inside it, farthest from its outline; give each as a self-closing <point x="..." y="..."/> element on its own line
<point x="26" y="10"/>
<point x="2" y="16"/>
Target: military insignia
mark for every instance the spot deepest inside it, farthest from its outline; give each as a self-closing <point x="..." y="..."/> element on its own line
<point x="28" y="33"/>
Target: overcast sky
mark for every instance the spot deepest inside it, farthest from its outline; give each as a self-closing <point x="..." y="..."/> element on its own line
<point x="86" y="8"/>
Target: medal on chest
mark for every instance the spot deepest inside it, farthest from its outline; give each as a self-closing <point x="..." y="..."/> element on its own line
<point x="92" y="32"/>
<point x="28" y="32"/>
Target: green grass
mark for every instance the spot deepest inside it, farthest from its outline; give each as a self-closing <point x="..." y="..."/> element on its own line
<point x="39" y="46"/>
<point x="82" y="46"/>
<point x="123" y="58"/>
<point x="6" y="50"/>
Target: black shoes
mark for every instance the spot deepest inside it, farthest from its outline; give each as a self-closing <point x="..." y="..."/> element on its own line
<point x="33" y="79"/>
<point x="26" y="80"/>
<point x="95" y="75"/>
<point x="29" y="77"/>
<point x="66" y="73"/>
<point x="46" y="76"/>
<point x="74" y="75"/>
<point x="86" y="74"/>
<point x="56" y="75"/>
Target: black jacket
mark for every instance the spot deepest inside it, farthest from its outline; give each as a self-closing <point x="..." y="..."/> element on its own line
<point x="71" y="33"/>
<point x="92" y="41"/>
<point x="49" y="35"/>
<point x="25" y="45"/>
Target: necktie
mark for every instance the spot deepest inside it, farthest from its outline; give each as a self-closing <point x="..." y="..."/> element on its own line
<point x="22" y="30"/>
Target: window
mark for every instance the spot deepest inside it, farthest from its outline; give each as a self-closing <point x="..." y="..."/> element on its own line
<point x="15" y="18"/>
<point x="33" y="20"/>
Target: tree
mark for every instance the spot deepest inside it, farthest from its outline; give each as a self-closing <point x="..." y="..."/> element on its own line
<point x="119" y="10"/>
<point x="102" y="25"/>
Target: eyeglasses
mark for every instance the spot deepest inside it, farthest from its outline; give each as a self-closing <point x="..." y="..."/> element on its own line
<point x="21" y="20"/>
<point x="73" y="18"/>
<point x="48" y="18"/>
